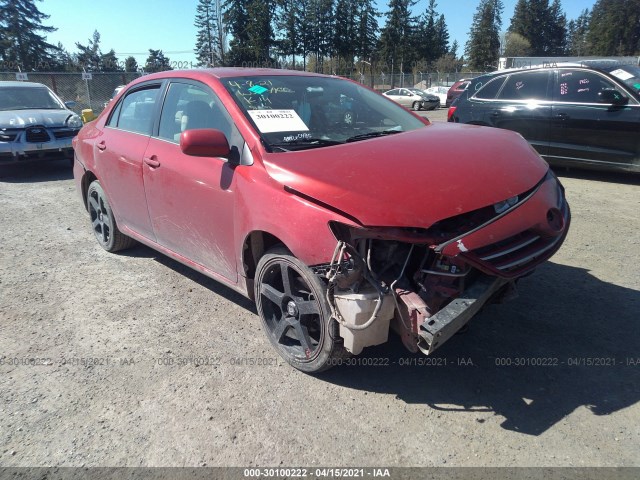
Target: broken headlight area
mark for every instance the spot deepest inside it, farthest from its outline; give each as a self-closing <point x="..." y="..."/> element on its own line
<point x="375" y="283"/>
<point x="428" y="283"/>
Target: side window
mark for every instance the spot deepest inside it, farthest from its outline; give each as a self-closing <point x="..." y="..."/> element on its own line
<point x="526" y="86"/>
<point x="580" y="86"/>
<point x="188" y="106"/>
<point x="135" y="112"/>
<point x="490" y="89"/>
<point x="393" y="92"/>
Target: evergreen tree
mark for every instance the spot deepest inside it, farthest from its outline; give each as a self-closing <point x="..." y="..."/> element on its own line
<point x="288" y="35"/>
<point x="614" y="27"/>
<point x="130" y="65"/>
<point x="323" y="20"/>
<point x="89" y="55"/>
<point x="22" y="42"/>
<point x="109" y="62"/>
<point x="483" y="46"/>
<point x="544" y="26"/>
<point x="236" y="18"/>
<point x="345" y="31"/>
<point x="366" y="29"/>
<point x="63" y="61"/>
<point x="397" y="46"/>
<point x="578" y="29"/>
<point x="157" y="62"/>
<point x="259" y="30"/>
<point x="441" y="37"/>
<point x="211" y="37"/>
<point x="557" y="30"/>
<point x="453" y="50"/>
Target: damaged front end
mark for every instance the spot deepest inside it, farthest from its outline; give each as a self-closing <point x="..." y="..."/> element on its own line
<point x="427" y="284"/>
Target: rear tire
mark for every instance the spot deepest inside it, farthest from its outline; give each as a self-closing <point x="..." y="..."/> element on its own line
<point x="103" y="222"/>
<point x="292" y="305"/>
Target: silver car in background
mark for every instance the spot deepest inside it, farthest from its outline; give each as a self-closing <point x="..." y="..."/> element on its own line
<point x="34" y="123"/>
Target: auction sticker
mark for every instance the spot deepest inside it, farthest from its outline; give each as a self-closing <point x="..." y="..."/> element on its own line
<point x="269" y="121"/>
<point x="622" y="74"/>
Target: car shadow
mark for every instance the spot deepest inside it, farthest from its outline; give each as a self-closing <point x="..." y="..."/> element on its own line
<point x="576" y="337"/>
<point x="568" y="341"/>
<point x="142" y="251"/>
<point x="609" y="177"/>
<point x="35" y="172"/>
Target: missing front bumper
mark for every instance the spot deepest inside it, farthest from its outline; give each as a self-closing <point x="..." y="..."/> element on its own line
<point x="440" y="327"/>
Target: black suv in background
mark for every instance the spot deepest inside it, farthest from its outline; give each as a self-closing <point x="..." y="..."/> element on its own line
<point x="573" y="115"/>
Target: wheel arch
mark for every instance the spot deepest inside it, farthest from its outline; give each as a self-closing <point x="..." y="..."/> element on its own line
<point x="255" y="245"/>
<point x="87" y="178"/>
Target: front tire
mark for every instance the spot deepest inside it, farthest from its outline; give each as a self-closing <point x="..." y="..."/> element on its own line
<point x="103" y="222"/>
<point x="292" y="304"/>
<point x="416" y="106"/>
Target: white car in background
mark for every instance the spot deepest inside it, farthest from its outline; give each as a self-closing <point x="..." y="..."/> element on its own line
<point x="440" y="92"/>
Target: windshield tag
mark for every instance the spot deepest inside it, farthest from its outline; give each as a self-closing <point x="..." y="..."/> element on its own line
<point x="269" y="121"/>
<point x="622" y="74"/>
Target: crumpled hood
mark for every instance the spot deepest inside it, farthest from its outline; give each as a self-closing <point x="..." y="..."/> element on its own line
<point x="413" y="179"/>
<point x="23" y="118"/>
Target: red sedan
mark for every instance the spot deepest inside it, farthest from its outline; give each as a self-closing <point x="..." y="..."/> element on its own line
<point x="339" y="230"/>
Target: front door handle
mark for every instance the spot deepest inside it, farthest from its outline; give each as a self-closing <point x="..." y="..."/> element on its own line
<point x="102" y="146"/>
<point x="152" y="161"/>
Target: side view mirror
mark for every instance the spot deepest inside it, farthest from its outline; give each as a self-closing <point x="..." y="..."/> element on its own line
<point x="70" y="104"/>
<point x="204" y="142"/>
<point x="613" y="97"/>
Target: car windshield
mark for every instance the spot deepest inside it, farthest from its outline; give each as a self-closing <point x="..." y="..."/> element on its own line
<point x="295" y="112"/>
<point x="27" y="98"/>
<point x="628" y="74"/>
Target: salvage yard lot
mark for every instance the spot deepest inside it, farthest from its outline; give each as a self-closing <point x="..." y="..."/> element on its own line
<point x="133" y="359"/>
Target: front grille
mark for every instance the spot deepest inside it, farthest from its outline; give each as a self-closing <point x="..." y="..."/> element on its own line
<point x="7" y="137"/>
<point x="516" y="255"/>
<point x="65" y="133"/>
<point x="37" y="135"/>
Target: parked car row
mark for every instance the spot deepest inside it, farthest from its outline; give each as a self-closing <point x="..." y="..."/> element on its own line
<point x="585" y="115"/>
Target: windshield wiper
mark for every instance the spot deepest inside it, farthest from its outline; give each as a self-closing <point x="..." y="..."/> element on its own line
<point x="304" y="143"/>
<point x="364" y="136"/>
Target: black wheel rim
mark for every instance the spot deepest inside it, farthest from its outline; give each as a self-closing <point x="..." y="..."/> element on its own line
<point x="100" y="218"/>
<point x="292" y="314"/>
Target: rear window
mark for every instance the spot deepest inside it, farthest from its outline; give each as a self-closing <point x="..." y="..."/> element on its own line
<point x="489" y="90"/>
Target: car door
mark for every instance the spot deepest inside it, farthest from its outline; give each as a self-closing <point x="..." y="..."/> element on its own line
<point x="587" y="130"/>
<point x="524" y="105"/>
<point x="191" y="199"/>
<point x="407" y="98"/>
<point x="119" y="151"/>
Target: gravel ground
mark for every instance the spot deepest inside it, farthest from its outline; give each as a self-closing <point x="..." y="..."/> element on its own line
<point x="141" y="361"/>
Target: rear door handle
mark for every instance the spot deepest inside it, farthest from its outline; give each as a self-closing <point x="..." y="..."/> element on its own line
<point x="102" y="146"/>
<point x="495" y="113"/>
<point x="152" y="161"/>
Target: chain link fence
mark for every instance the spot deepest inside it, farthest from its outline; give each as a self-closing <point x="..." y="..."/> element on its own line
<point x="87" y="90"/>
<point x="94" y="90"/>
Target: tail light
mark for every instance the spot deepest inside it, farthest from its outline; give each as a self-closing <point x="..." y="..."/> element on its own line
<point x="452" y="109"/>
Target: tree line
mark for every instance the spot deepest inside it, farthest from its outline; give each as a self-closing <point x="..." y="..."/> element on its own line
<point x="340" y="36"/>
